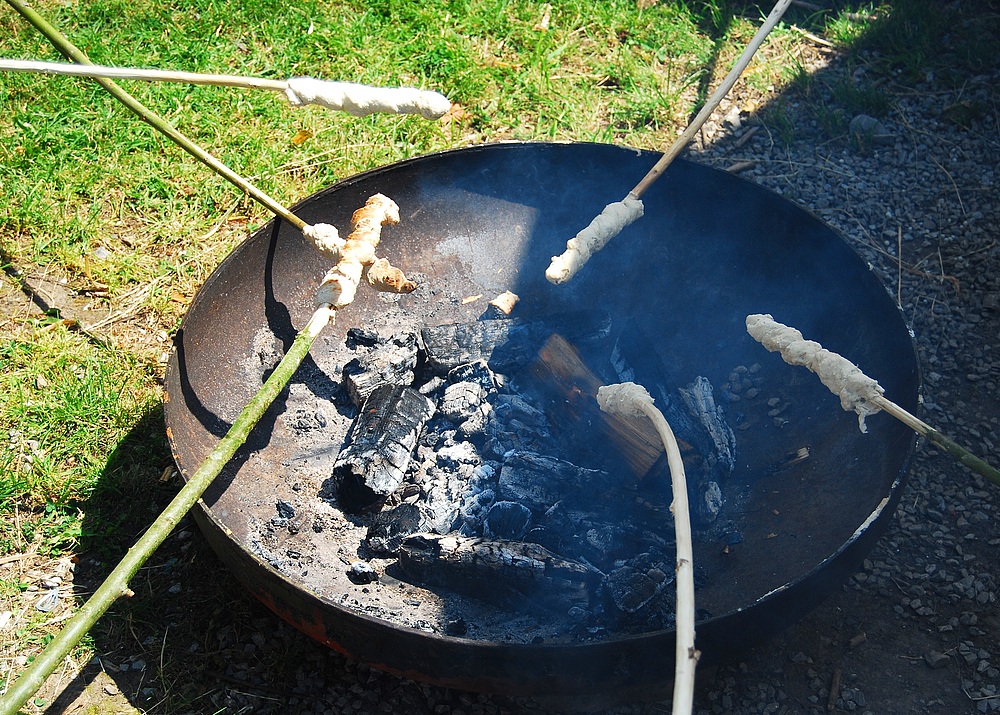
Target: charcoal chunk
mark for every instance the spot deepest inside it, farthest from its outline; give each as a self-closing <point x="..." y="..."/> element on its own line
<point x="539" y="481"/>
<point x="373" y="464"/>
<point x="478" y="372"/>
<point x="362" y="337"/>
<point x="390" y="526"/>
<point x="638" y="583"/>
<point x="361" y="572"/>
<point x="390" y="363"/>
<point x="516" y="425"/>
<point x="507" y="520"/>
<point x="506" y="344"/>
<point x="461" y="400"/>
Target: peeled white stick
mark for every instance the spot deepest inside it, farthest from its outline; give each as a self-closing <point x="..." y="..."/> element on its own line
<point x="565" y="266"/>
<point x="857" y="391"/>
<point x="630" y="400"/>
<point x="356" y="99"/>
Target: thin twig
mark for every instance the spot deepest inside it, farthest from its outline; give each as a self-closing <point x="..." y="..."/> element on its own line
<point x="951" y="178"/>
<point x="899" y="265"/>
<point x="814" y="38"/>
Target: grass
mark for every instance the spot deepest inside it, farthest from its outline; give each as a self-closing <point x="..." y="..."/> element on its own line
<point x="115" y="225"/>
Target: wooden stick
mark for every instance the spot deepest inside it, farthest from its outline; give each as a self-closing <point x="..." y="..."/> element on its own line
<point x="71" y="52"/>
<point x="148" y="75"/>
<point x="628" y="399"/>
<point x="616" y="216"/>
<point x="356" y="99"/>
<point x="116" y="584"/>
<point x="956" y="450"/>
<point x="714" y="100"/>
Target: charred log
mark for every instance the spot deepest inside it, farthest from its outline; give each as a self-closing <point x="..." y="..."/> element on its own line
<point x="391" y="363"/>
<point x="493" y="569"/>
<point x="373" y="464"/>
<point x="391" y="526"/>
<point x="539" y="481"/>
<point x="699" y="398"/>
<point x="505" y="344"/>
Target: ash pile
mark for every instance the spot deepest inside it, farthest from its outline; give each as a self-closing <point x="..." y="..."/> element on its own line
<point x="481" y="464"/>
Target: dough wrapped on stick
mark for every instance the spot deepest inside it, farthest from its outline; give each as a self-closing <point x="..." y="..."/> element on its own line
<point x="616" y="216"/>
<point x="356" y="99"/>
<point x="608" y="224"/>
<point x="357" y="254"/>
<point x="857" y="392"/>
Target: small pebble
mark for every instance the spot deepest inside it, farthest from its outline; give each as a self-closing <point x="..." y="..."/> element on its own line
<point x="361" y="572"/>
<point x="936" y="660"/>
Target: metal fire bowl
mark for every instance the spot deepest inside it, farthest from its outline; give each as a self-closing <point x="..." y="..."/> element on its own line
<point x="711" y="249"/>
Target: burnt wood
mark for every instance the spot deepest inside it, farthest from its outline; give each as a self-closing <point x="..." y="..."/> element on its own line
<point x="509" y="343"/>
<point x="373" y="464"/>
<point x="498" y="568"/>
<point x="390" y="363"/>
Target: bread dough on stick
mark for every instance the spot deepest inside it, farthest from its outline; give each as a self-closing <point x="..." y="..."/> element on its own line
<point x="361" y="99"/>
<point x="326" y="238"/>
<point x="340" y="284"/>
<point x="608" y="224"/>
<point x="385" y="277"/>
<point x="857" y="392"/>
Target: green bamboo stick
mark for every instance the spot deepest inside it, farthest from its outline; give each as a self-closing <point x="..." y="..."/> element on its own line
<point x="116" y="584"/>
<point x="70" y="51"/>
<point x="970" y="460"/>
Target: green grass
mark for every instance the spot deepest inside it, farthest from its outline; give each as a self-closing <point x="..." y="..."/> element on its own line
<point x="64" y="413"/>
<point x="95" y="200"/>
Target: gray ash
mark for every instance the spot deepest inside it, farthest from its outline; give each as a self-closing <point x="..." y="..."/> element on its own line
<point x="478" y="467"/>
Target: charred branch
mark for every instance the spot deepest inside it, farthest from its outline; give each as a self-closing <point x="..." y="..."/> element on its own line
<point x="494" y="569"/>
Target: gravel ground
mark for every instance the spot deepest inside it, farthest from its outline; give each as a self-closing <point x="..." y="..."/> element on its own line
<point x="914" y="631"/>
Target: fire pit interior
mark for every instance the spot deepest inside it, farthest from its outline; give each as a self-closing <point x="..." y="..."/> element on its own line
<point x="437" y="493"/>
